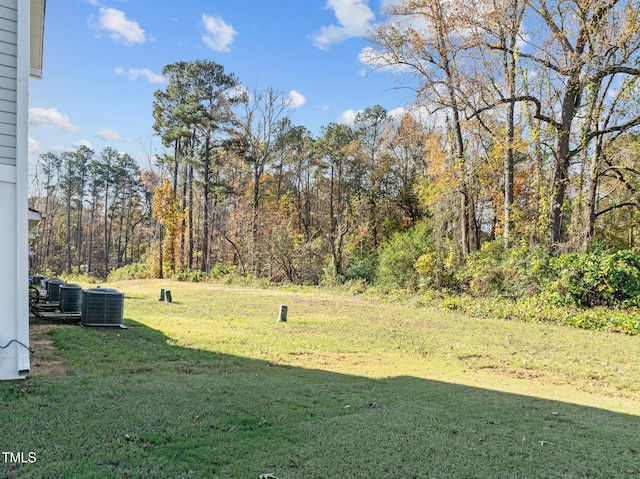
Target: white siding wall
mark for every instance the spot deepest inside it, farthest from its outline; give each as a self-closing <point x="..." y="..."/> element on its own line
<point x="8" y="75"/>
<point x="14" y="110"/>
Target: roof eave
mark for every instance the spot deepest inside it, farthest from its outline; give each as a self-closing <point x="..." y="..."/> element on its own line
<point x="38" y="8"/>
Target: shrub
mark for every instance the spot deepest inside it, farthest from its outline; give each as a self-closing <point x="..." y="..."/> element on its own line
<point x="355" y="286"/>
<point x="190" y="275"/>
<point x="399" y="255"/>
<point x="130" y="271"/>
<point x="330" y="277"/>
<point x="151" y="261"/>
<point x="485" y="270"/>
<point x="598" y="278"/>
<point x="47" y="273"/>
<point x="79" y="278"/>
<point x="542" y="309"/>
<point x="497" y="271"/>
<point x="220" y="270"/>
<point x="363" y="268"/>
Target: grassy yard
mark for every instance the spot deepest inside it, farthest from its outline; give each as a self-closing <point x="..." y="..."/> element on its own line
<point x="212" y="386"/>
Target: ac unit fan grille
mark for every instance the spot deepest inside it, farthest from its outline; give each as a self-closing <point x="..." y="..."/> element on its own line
<point x="102" y="307"/>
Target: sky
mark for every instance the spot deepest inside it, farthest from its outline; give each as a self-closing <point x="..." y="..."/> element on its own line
<point x="103" y="61"/>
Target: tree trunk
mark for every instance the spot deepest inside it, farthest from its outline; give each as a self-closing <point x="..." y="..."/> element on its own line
<point x="204" y="266"/>
<point x="191" y="245"/>
<point x="120" y="230"/>
<point x="257" y="175"/>
<point x="509" y="160"/>
<point x="161" y="253"/>
<point x="90" y="242"/>
<point x="464" y="188"/>
<point x="69" y="270"/>
<point x="444" y="52"/>
<point x="332" y="225"/>
<point x="176" y="165"/>
<point x="592" y="193"/>
<point x="183" y="240"/>
<point x="510" y="40"/>
<point x="106" y="230"/>
<point x="79" y="231"/>
<point x="563" y="158"/>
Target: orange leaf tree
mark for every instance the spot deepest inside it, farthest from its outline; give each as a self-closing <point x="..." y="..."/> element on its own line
<point x="166" y="210"/>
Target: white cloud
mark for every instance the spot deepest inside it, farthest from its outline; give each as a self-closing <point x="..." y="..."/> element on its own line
<point x="35" y="150"/>
<point x="61" y="149"/>
<point x="218" y="34"/>
<point x="612" y="93"/>
<point x="51" y="118"/>
<point x="34" y="147"/>
<point x="348" y="117"/>
<point x="428" y="116"/>
<point x="370" y="56"/>
<point x="134" y="73"/>
<point x="80" y="143"/>
<point x="297" y="99"/>
<point x="120" y="28"/>
<point x="420" y="113"/>
<point x="239" y="93"/>
<point x="379" y="60"/>
<point x="397" y="113"/>
<point x="354" y="18"/>
<point x="524" y="40"/>
<point x="108" y="134"/>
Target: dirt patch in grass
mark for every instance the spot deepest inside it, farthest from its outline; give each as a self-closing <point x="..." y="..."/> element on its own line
<point x="45" y="358"/>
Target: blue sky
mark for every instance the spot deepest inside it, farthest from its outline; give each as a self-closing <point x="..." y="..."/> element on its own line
<point x="103" y="60"/>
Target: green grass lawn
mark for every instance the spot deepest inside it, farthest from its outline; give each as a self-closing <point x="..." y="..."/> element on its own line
<point x="212" y="386"/>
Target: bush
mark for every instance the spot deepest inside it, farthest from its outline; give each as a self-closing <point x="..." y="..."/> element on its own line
<point x="79" y="278"/>
<point x="598" y="278"/>
<point x="220" y="270"/>
<point x="543" y="309"/>
<point x="129" y="271"/>
<point x="485" y="270"/>
<point x="497" y="271"/>
<point x="190" y="275"/>
<point x="363" y="268"/>
<point x="47" y="273"/>
<point x="399" y="255"/>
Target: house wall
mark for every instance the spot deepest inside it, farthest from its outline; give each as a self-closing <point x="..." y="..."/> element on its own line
<point x="8" y="84"/>
<point x="14" y="110"/>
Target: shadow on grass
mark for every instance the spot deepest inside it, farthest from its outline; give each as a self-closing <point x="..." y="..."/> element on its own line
<point x="134" y="405"/>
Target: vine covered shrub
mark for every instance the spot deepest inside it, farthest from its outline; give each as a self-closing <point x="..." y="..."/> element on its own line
<point x="543" y="308"/>
<point x="363" y="268"/>
<point x="398" y="257"/>
<point x="598" y="278"/>
<point x="223" y="271"/>
<point x="79" y="278"/>
<point x="190" y="275"/>
<point x="497" y="271"/>
<point x="129" y="271"/>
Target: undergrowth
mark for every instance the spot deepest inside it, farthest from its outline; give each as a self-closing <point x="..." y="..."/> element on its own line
<point x="598" y="289"/>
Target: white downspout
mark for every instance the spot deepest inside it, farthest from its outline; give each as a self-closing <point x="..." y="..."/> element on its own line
<point x="22" y="182"/>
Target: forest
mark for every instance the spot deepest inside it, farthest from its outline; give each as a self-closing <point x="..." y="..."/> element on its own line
<point x="516" y="172"/>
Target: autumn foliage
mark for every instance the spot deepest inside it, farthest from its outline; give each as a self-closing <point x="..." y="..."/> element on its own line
<point x="521" y="142"/>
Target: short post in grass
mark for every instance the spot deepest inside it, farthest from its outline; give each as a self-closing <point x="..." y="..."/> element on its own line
<point x="161" y="298"/>
<point x="167" y="296"/>
<point x="282" y="317"/>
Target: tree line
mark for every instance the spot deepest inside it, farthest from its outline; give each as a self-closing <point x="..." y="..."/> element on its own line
<point x="93" y="207"/>
<point x="523" y="131"/>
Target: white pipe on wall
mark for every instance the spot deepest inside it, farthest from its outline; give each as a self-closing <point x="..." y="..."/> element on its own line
<point x="14" y="238"/>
